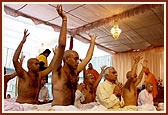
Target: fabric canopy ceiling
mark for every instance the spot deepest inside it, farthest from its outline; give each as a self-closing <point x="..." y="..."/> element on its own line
<point x="142" y="24"/>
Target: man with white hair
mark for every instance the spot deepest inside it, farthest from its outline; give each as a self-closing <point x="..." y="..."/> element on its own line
<point x="109" y="92"/>
<point x="145" y="96"/>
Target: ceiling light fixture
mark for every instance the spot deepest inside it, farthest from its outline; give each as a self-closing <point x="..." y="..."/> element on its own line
<point x="115" y="30"/>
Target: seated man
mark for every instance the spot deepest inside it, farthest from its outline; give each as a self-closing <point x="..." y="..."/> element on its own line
<point x="130" y="87"/>
<point x="65" y="77"/>
<point x="151" y="78"/>
<point x="29" y="81"/>
<point x="145" y="96"/>
<point x="44" y="93"/>
<point x="109" y="92"/>
<point x="85" y="92"/>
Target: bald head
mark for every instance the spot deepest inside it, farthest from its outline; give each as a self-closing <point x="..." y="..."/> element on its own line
<point x="88" y="75"/>
<point x="89" y="79"/>
<point x="70" y="53"/>
<point x="128" y="75"/>
<point x="31" y="61"/>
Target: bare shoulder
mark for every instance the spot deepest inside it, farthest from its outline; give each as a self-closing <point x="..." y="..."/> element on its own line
<point x="25" y="75"/>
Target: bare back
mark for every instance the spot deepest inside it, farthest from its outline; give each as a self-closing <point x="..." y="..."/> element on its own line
<point x="64" y="87"/>
<point x="28" y="88"/>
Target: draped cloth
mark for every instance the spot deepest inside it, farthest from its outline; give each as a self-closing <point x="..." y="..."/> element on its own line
<point x="94" y="73"/>
<point x="150" y="78"/>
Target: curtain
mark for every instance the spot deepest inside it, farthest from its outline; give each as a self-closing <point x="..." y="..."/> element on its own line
<point x="123" y="62"/>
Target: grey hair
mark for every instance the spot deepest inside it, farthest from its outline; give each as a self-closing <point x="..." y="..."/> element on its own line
<point x="148" y="85"/>
<point x="106" y="70"/>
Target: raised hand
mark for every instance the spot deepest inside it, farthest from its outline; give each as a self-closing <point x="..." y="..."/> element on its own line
<point x="137" y="59"/>
<point x="21" y="59"/>
<point x="25" y="35"/>
<point x="60" y="11"/>
<point x="102" y="68"/>
<point x="55" y="50"/>
<point x="93" y="36"/>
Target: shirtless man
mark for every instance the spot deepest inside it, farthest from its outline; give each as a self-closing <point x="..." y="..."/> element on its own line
<point x="87" y="89"/>
<point x="64" y="78"/>
<point x="29" y="81"/>
<point x="130" y="87"/>
<point x="10" y="76"/>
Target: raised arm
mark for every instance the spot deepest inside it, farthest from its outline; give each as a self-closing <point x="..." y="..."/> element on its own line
<point x="134" y="68"/>
<point x="89" y="53"/>
<point x="99" y="77"/>
<point x="16" y="63"/>
<point x="21" y="59"/>
<point x="133" y="71"/>
<point x="84" y="70"/>
<point x="62" y="40"/>
<point x="139" y="79"/>
<point x="10" y="76"/>
<point x="14" y="74"/>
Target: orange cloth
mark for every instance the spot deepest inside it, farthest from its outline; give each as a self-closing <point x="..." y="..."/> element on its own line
<point x="150" y="78"/>
<point x="94" y="73"/>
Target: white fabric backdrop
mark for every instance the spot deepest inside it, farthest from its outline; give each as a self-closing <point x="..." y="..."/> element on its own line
<point x="123" y="63"/>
